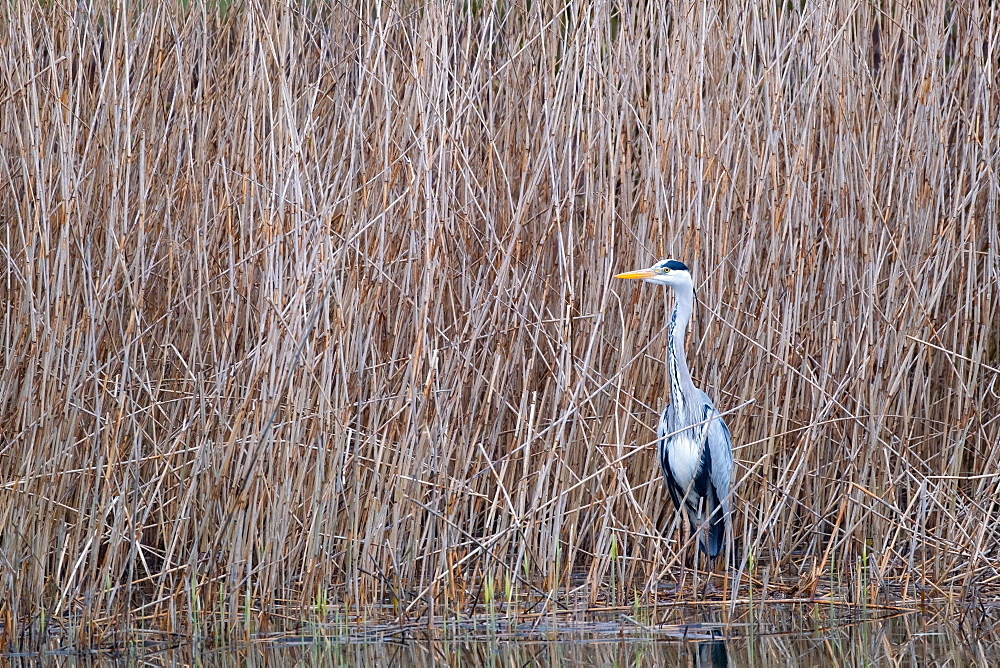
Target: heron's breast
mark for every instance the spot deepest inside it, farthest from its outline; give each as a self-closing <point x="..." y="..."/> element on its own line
<point x="684" y="457"/>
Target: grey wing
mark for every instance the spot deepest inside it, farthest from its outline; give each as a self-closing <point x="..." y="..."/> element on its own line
<point x="663" y="428"/>
<point x="667" y="423"/>
<point x="720" y="444"/>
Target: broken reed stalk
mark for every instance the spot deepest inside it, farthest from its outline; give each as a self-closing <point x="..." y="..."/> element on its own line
<point x="312" y="306"/>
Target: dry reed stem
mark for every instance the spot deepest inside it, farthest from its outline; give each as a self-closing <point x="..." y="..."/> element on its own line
<point x="313" y="306"/>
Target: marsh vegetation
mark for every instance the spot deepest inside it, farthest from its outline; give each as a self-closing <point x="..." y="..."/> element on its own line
<point x="308" y="311"/>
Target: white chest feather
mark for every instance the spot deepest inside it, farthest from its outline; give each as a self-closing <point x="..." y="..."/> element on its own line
<point x="684" y="456"/>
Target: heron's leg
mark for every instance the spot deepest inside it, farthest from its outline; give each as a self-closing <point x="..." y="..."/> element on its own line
<point x="681" y="544"/>
<point x="719" y="570"/>
<point x="709" y="563"/>
<point x="697" y="536"/>
<point x="711" y="575"/>
<point x="723" y="565"/>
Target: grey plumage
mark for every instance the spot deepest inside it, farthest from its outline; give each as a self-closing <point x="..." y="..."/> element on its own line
<point x="694" y="444"/>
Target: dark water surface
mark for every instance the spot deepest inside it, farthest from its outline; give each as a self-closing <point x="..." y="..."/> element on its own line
<point x="899" y="641"/>
<point x="802" y="636"/>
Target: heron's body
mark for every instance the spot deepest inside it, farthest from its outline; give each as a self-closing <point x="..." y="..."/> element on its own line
<point x="694" y="444"/>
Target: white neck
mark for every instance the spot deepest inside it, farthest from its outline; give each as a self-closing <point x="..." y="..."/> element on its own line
<point x="677" y="368"/>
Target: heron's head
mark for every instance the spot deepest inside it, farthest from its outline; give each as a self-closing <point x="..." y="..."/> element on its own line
<point x="665" y="272"/>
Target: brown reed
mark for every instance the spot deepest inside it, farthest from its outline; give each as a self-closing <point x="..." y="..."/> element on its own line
<point x="311" y="308"/>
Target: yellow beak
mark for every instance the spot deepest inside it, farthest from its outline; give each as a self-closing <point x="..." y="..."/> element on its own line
<point x="641" y="273"/>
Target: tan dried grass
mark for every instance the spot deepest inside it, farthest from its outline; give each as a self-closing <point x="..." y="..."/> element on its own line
<point x="314" y="306"/>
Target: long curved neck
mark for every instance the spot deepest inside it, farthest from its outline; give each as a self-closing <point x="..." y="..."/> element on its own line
<point x="681" y="384"/>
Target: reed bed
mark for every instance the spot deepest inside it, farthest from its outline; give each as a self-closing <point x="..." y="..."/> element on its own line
<point x="310" y="308"/>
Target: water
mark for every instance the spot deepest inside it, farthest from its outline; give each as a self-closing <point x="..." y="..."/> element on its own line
<point x="781" y="636"/>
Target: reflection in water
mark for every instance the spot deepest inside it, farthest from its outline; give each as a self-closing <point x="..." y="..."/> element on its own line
<point x="750" y="642"/>
<point x="902" y="640"/>
<point x="867" y="644"/>
<point x="712" y="654"/>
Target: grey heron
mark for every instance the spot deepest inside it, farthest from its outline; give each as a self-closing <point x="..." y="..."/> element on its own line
<point x="693" y="442"/>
